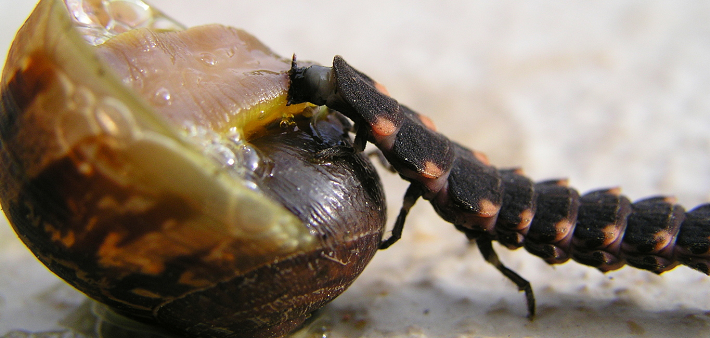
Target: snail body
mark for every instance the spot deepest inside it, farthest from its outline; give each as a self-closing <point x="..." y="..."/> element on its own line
<point x="160" y="172"/>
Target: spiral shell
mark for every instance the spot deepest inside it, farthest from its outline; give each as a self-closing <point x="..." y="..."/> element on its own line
<point x="159" y="171"/>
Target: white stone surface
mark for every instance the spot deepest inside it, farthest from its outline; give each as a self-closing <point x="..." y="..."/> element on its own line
<point x="606" y="93"/>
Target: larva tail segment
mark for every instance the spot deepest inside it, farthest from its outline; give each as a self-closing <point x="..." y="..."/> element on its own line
<point x="602" y="228"/>
<point x="693" y="242"/>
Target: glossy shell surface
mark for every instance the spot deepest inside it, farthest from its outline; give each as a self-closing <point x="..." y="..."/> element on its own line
<point x="159" y="171"/>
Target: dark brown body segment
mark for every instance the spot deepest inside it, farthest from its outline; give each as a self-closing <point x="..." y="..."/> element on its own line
<point x="602" y="218"/>
<point x="650" y="235"/>
<point x="517" y="210"/>
<point x="693" y="242"/>
<point x="552" y="227"/>
<point x="601" y="229"/>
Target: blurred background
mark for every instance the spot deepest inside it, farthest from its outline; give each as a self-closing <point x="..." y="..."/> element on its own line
<point x="606" y="93"/>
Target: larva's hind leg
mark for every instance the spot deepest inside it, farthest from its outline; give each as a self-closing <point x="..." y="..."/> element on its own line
<point x="486" y="248"/>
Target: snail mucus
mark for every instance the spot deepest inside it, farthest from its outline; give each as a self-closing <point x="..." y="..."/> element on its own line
<point x="158" y="170"/>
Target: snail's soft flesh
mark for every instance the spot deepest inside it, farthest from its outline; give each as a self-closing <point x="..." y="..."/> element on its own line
<point x="159" y="171"/>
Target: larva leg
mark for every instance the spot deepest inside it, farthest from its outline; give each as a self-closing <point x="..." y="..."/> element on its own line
<point x="377" y="153"/>
<point x="360" y="138"/>
<point x="486" y="248"/>
<point x="410" y="197"/>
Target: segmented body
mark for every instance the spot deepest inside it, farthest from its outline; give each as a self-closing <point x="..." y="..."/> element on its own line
<point x="601" y="228"/>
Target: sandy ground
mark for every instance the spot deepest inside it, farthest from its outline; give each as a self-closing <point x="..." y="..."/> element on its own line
<point x="609" y="93"/>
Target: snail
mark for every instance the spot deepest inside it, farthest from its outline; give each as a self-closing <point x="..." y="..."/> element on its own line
<point x="158" y="170"/>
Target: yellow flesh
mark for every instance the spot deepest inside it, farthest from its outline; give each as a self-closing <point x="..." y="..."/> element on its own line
<point x="214" y="77"/>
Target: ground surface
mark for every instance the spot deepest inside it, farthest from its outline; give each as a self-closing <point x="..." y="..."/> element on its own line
<point x="606" y="93"/>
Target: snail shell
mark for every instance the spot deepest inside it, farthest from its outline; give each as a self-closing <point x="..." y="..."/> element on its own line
<point x="159" y="171"/>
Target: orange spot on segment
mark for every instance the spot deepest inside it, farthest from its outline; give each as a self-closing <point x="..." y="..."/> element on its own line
<point x="562" y="228"/>
<point x="526" y="218"/>
<point x="432" y="170"/>
<point x="427" y="122"/>
<point x="383" y="127"/>
<point x="481" y="157"/>
<point x="616" y="191"/>
<point x="519" y="171"/>
<point x="488" y="208"/>
<point x="670" y="199"/>
<point x="611" y="233"/>
<point x="663" y="239"/>
<point x="381" y="88"/>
